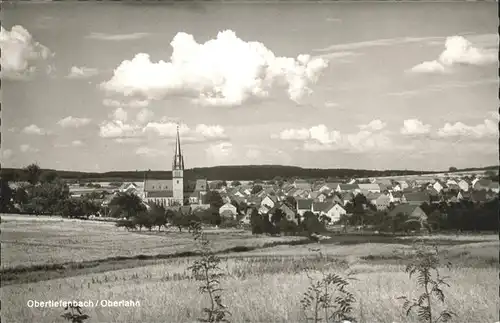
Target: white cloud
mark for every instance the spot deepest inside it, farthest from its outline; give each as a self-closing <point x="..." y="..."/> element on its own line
<point x="458" y="50"/>
<point x="74" y="143"/>
<point x="116" y="37"/>
<point x="20" y="53"/>
<point x="7" y="153"/>
<point x="222" y="71"/>
<point x="294" y="134"/>
<point x="128" y="133"/>
<point x="130" y="140"/>
<point x="166" y="129"/>
<point x="34" y="130"/>
<point x="144" y="115"/>
<point x="82" y="72"/>
<point x="73" y="122"/>
<point x="130" y="104"/>
<point x="220" y="152"/>
<point x="375" y="43"/>
<point x="120" y="115"/>
<point x="210" y="132"/>
<point x="150" y="152"/>
<point x="415" y="127"/>
<point x="487" y="129"/>
<point x="118" y="129"/>
<point x="320" y="138"/>
<point x="374" y="125"/>
<point x="428" y="67"/>
<point x="27" y="149"/>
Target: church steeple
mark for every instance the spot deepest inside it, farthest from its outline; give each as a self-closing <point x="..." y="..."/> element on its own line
<point x="178" y="172"/>
<point x="178" y="158"/>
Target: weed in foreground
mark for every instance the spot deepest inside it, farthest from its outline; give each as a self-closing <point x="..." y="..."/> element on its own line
<point x="426" y="268"/>
<point x="207" y="269"/>
<point x="74" y="314"/>
<point x="328" y="299"/>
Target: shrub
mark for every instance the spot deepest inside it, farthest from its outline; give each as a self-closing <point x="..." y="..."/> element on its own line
<point x="74" y="314"/>
<point x="329" y="298"/>
<point x="426" y="263"/>
<point x="207" y="270"/>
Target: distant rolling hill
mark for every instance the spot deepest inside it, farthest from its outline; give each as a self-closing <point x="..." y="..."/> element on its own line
<point x="243" y="172"/>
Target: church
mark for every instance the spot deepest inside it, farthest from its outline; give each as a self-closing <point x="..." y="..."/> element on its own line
<point x="175" y="191"/>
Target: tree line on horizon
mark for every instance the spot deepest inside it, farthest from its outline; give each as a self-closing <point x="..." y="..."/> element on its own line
<point x="244" y="172"/>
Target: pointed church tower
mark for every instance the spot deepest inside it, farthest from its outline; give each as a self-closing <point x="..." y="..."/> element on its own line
<point x="178" y="172"/>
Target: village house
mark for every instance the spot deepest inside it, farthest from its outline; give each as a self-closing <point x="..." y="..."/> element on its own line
<point x="347" y="197"/>
<point x="403" y="185"/>
<point x="415" y="198"/>
<point x="228" y="211"/>
<point x="438" y="186"/>
<point x="411" y="211"/>
<point x="464" y="185"/>
<point x="347" y="188"/>
<point x="302" y="184"/>
<point x="479" y="196"/>
<point x="372" y="188"/>
<point x="331" y="210"/>
<point x="290" y="214"/>
<point x="382" y="202"/>
<point x="329" y="186"/>
<point x="304" y="205"/>
<point x="395" y="197"/>
<point x="269" y="200"/>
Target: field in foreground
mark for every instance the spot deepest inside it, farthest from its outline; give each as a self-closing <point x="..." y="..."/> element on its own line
<point x="30" y="241"/>
<point x="264" y="288"/>
<point x="262" y="285"/>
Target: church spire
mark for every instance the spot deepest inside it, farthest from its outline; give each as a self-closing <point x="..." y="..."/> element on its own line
<point x="178" y="158"/>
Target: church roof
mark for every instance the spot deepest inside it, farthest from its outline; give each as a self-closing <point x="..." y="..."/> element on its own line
<point x="160" y="194"/>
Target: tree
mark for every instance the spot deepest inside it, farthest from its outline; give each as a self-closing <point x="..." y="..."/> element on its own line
<point x="222" y="184"/>
<point x="345" y="220"/>
<point x="235" y="183"/>
<point x="256" y="222"/>
<point x="158" y="216"/>
<point x="288" y="227"/>
<point x="5" y="196"/>
<point x="214" y="199"/>
<point x="180" y="221"/>
<point x="311" y="224"/>
<point x="47" y="198"/>
<point x="33" y="173"/>
<point x="20" y="196"/>
<point x="129" y="204"/>
<point x="71" y="208"/>
<point x="142" y="219"/>
<point x="48" y="176"/>
<point x="291" y="202"/>
<point x="277" y="216"/>
<point x="452" y="169"/>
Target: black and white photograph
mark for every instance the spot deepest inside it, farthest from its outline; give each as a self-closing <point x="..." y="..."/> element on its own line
<point x="249" y="161"/>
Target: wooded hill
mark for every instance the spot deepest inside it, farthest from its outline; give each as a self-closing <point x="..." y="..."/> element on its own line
<point x="243" y="172"/>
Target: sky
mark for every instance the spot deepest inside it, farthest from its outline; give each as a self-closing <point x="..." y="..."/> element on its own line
<point x="103" y="86"/>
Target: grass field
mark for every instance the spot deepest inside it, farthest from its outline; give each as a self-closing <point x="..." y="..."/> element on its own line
<point x="29" y="241"/>
<point x="262" y="285"/>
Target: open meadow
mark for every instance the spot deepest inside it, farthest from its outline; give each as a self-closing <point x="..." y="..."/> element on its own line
<point x="264" y="284"/>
